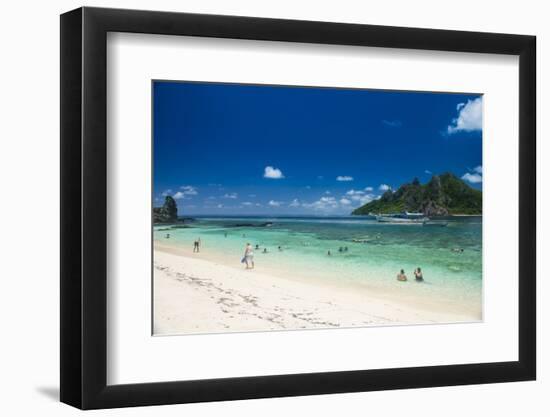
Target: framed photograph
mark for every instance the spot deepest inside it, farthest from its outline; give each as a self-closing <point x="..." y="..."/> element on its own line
<point x="258" y="208"/>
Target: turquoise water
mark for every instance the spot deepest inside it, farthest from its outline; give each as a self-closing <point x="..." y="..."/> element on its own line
<point x="379" y="251"/>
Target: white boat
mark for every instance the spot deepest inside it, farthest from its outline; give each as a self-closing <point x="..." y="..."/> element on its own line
<point x="436" y="223"/>
<point x="414" y="215"/>
<point x="405" y="218"/>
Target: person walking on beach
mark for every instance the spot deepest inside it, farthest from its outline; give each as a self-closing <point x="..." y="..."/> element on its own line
<point x="401" y="276"/>
<point x="418" y="275"/>
<point x="249" y="256"/>
<point x="196" y="245"/>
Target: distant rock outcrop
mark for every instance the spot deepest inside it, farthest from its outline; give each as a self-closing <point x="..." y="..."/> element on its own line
<point x="443" y="195"/>
<point x="168" y="213"/>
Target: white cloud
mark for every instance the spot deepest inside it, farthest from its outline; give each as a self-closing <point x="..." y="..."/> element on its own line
<point x="392" y="123"/>
<point x="247" y="204"/>
<point x="331" y="204"/>
<point x="384" y="187"/>
<point x="327" y="192"/>
<point x="359" y="196"/>
<point x="274" y="203"/>
<point x="184" y="192"/>
<point x="353" y="192"/>
<point x="470" y="117"/>
<point x="323" y="204"/>
<point x="426" y="171"/>
<point x="294" y="203"/>
<point x="273" y="173"/>
<point x="363" y="199"/>
<point x="188" y="190"/>
<point x="473" y="178"/>
<point x="344" y="178"/>
<point x="219" y="206"/>
<point x="232" y="196"/>
<point x="369" y="189"/>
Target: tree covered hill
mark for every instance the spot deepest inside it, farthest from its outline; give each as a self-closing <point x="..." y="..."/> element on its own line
<point x="443" y="195"/>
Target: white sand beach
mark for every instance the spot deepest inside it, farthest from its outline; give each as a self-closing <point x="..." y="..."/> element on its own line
<point x="194" y="293"/>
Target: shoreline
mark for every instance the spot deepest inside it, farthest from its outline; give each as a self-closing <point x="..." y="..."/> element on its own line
<point x="190" y="218"/>
<point x="206" y="293"/>
<point x="433" y="217"/>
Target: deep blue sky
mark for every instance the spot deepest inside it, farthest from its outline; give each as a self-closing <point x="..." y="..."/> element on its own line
<point x="213" y="142"/>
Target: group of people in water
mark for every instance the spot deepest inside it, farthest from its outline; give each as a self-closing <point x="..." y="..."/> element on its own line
<point x="341" y="249"/>
<point x="417" y="275"/>
<point x="248" y="258"/>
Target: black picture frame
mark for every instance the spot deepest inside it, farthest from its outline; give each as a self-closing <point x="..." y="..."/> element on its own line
<point x="84" y="207"/>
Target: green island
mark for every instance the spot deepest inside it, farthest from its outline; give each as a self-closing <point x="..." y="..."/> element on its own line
<point x="443" y="195"/>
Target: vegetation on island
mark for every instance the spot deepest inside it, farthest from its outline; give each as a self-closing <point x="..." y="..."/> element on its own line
<point x="443" y="195"/>
<point x="168" y="213"/>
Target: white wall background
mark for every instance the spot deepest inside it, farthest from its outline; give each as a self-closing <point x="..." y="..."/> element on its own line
<point x="29" y="237"/>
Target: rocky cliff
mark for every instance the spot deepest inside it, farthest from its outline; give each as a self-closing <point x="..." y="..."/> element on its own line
<point x="168" y="213"/>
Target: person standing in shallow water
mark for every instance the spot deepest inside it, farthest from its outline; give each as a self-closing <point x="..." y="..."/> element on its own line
<point x="249" y="256"/>
<point x="196" y="245"/>
<point x="418" y="275"/>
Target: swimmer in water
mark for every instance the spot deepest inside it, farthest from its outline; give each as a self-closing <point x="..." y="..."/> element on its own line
<point x="401" y="276"/>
